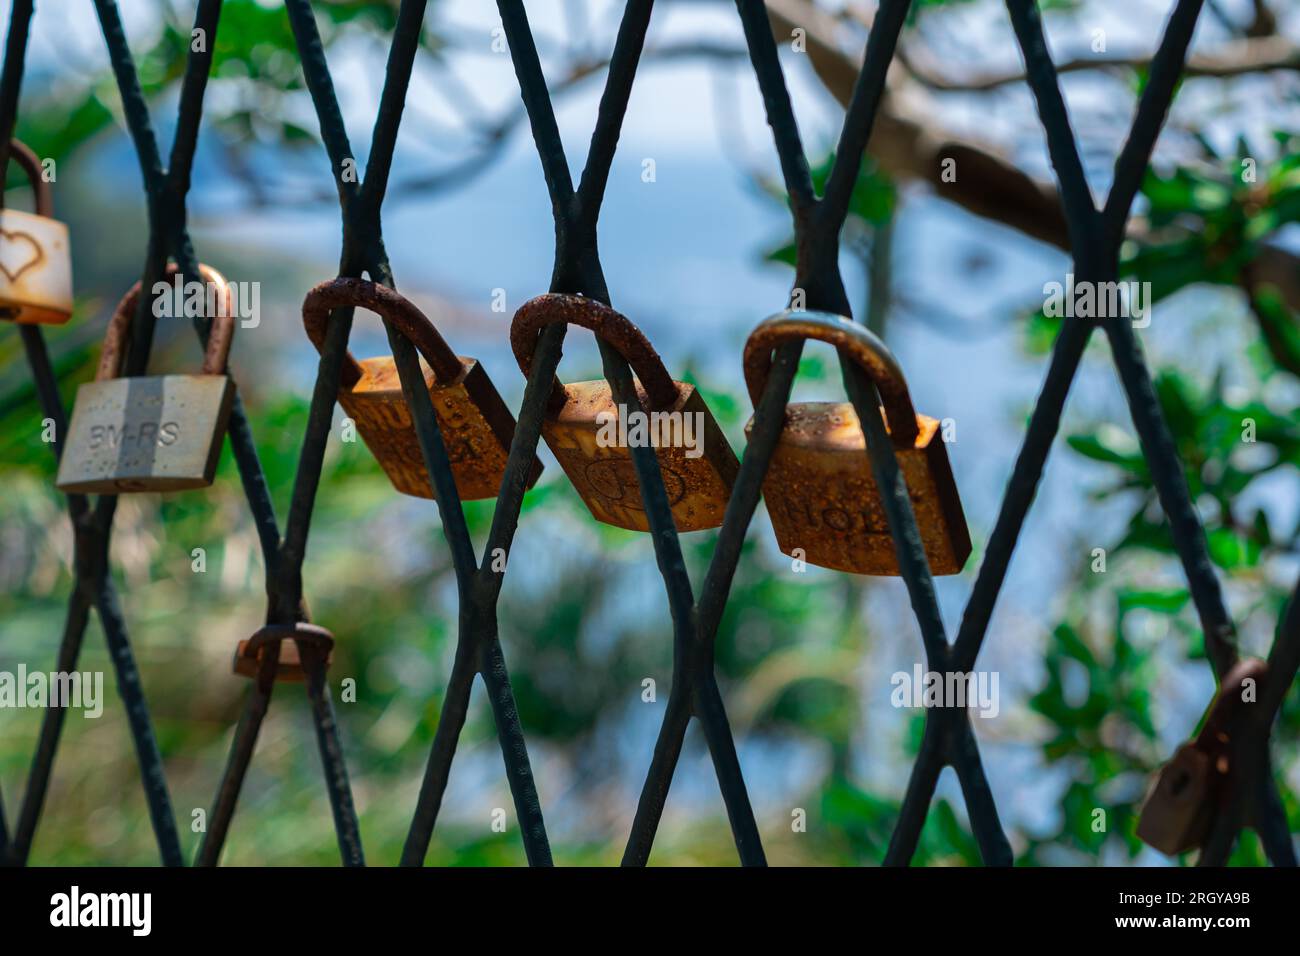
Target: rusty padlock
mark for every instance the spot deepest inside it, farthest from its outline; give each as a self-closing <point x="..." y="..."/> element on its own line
<point x="35" y="259"/>
<point x="585" y="429"/>
<point x="1189" y="790"/>
<point x="151" y="433"/>
<point x="289" y="666"/>
<point x="820" y="491"/>
<point x="476" y="425"/>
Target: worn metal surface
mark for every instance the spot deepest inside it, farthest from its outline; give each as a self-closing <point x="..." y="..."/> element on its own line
<point x="588" y="429"/>
<point x="609" y="325"/>
<point x="151" y="433"/>
<point x="156" y="433"/>
<point x="35" y="258"/>
<point x="822" y="498"/>
<point x="474" y="420"/>
<point x="221" y="334"/>
<point x="819" y="489"/>
<point x="697" y="485"/>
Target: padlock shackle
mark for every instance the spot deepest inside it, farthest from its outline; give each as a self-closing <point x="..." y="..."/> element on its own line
<point x="220" y="338"/>
<point x="853" y="341"/>
<point x="31" y="165"/>
<point x="299" y="631"/>
<point x="1224" y="712"/>
<point x="608" y="324"/>
<point x="404" y="316"/>
<point x="248" y="654"/>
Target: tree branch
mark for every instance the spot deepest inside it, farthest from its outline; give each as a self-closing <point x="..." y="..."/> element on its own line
<point x="1239" y="58"/>
<point x="913" y="148"/>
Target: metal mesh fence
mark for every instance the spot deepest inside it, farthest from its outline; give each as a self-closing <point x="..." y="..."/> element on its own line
<point x="1095" y="235"/>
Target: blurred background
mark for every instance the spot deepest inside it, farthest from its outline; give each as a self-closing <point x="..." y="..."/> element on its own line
<point x="1101" y="673"/>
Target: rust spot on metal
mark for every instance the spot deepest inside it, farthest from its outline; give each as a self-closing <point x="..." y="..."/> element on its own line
<point x="605" y="477"/>
<point x="608" y="324"/>
<point x="476" y="426"/>
<point x="820" y="489"/>
<point x="118" y="337"/>
<point x="698" y="488"/>
<point x="855" y="341"/>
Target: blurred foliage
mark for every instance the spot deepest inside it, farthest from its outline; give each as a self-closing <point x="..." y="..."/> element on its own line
<point x="1207" y="223"/>
<point x="582" y="615"/>
<point x="256" y="100"/>
<point x="1130" y="626"/>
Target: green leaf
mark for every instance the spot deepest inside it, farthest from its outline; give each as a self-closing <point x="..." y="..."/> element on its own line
<point x="1111" y="446"/>
<point x="1166" y="601"/>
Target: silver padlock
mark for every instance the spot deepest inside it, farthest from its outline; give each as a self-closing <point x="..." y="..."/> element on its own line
<point x="151" y="433"/>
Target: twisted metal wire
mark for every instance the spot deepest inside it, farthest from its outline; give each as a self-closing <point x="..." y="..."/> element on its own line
<point x="948" y="738"/>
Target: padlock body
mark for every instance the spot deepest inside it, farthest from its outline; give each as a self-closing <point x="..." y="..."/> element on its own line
<point x="822" y="499"/>
<point x="697" y="464"/>
<point x="35" y="269"/>
<point x="1178" y="811"/>
<point x="289" y="666"/>
<point x="475" y="423"/>
<point x="154" y="433"/>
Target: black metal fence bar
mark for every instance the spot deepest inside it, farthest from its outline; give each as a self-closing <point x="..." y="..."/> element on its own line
<point x="948" y="738"/>
<point x="93" y="585"/>
<point x="166" y="191"/>
<point x="363" y="251"/>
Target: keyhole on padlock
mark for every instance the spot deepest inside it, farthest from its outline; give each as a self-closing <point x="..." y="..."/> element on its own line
<point x="1181" y="783"/>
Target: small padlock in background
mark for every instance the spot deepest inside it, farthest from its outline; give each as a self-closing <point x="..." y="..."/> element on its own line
<point x="475" y="423"/>
<point x="289" y="665"/>
<point x="820" y="491"/>
<point x="698" y="480"/>
<point x="1189" y="790"/>
<point x="1177" y="814"/>
<point x="35" y="259"/>
<point x="151" y="433"/>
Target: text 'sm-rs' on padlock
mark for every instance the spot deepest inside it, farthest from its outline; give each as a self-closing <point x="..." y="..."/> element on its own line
<point x="151" y="433"/>
<point x="475" y="424"/>
<point x="820" y="491"/>
<point x="592" y="437"/>
<point x="35" y="259"/>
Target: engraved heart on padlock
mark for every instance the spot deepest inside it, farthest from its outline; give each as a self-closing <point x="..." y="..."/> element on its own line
<point x="13" y="245"/>
<point x="615" y="479"/>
